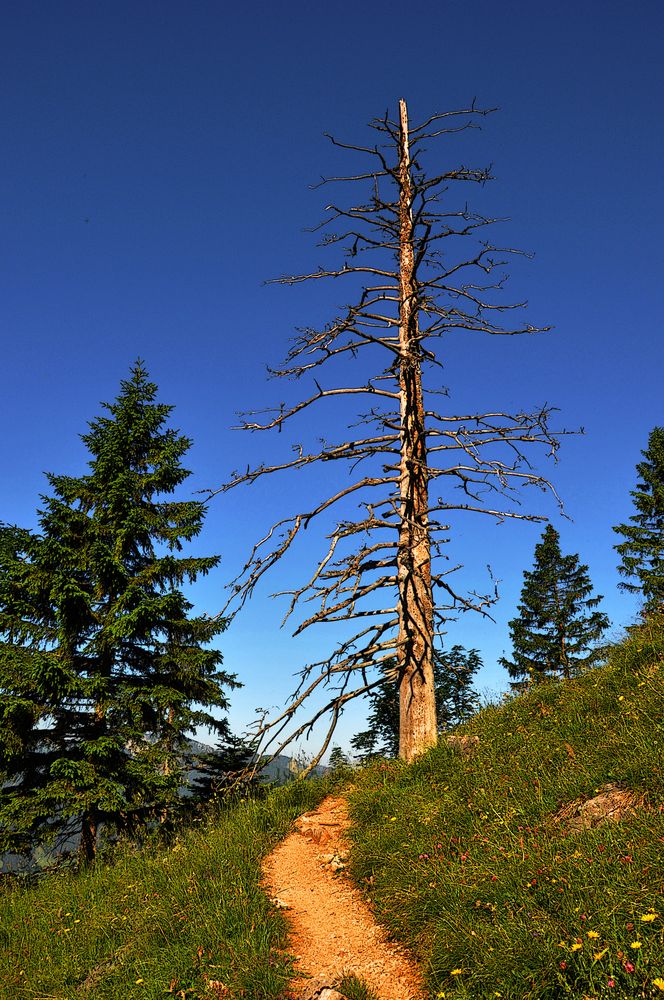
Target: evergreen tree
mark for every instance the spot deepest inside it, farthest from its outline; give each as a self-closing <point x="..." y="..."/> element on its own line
<point x="338" y="760"/>
<point x="557" y="627"/>
<point x="456" y="700"/>
<point x="222" y="768"/>
<point x="642" y="552"/>
<point x="98" y="644"/>
<point x="21" y="694"/>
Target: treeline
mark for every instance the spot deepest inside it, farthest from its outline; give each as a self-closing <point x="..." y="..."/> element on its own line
<point x="558" y="627"/>
<point x="105" y="671"/>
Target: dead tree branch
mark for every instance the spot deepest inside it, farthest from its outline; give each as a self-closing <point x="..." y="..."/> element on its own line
<point x="381" y="564"/>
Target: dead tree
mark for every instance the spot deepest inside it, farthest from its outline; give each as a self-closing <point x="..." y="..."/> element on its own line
<point x="397" y="251"/>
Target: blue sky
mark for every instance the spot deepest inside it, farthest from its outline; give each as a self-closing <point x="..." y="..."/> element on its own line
<point x="156" y="166"/>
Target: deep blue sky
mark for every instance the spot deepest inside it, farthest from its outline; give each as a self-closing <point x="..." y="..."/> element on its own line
<point x="155" y="170"/>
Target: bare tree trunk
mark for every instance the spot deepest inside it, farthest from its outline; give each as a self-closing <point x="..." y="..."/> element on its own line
<point x="88" y="847"/>
<point x="402" y="309"/>
<point x="417" y="729"/>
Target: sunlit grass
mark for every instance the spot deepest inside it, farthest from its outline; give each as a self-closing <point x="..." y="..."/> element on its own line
<point x="461" y="857"/>
<point x="353" y="988"/>
<point x="185" y="921"/>
<point x="463" y="860"/>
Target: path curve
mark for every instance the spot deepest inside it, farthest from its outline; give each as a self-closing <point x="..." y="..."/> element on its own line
<point x="332" y="930"/>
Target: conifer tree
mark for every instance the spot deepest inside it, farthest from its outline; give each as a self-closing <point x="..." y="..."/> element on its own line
<point x="557" y="628"/>
<point x="456" y="700"/>
<point x="222" y="768"/>
<point x="21" y="697"/>
<point x="642" y="552"/>
<point x="98" y="641"/>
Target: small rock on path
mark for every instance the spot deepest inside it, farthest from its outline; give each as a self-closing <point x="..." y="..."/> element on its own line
<point x="332" y="930"/>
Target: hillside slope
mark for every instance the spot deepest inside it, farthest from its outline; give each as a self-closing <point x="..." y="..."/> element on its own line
<point x="187" y="919"/>
<point x="479" y="860"/>
<point x="481" y="856"/>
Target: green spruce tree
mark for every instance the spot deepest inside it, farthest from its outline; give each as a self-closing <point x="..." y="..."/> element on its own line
<point x="226" y="767"/>
<point x="642" y="551"/>
<point x="557" y="628"/>
<point x="104" y="667"/>
<point x="456" y="700"/>
<point x="26" y="671"/>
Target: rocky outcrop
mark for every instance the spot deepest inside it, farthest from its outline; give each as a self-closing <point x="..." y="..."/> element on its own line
<point x="610" y="804"/>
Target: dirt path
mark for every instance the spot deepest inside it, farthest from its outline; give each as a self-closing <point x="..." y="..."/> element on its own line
<point x="332" y="929"/>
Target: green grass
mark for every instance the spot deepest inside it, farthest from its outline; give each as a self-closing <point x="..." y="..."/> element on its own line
<point x="460" y="857"/>
<point x="462" y="860"/>
<point x="355" y="989"/>
<point x="158" y="922"/>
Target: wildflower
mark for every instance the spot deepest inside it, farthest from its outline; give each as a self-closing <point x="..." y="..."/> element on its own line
<point x="659" y="983"/>
<point x="628" y="967"/>
<point x="563" y="965"/>
<point x="592" y="934"/>
<point x="441" y="995"/>
<point x="635" y="944"/>
<point x="599" y="954"/>
<point x="456" y="972"/>
<point x="611" y="983"/>
<point x="647" y="918"/>
<point x="576" y="946"/>
<point x="393" y="819"/>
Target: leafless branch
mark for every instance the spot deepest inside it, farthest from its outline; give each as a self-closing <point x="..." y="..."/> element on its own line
<point x="375" y="559"/>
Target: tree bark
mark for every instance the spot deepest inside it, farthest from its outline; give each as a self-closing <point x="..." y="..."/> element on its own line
<point x="417" y="728"/>
<point x="88" y="847"/>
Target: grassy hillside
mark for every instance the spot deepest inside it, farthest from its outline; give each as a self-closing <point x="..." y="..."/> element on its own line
<point x="179" y="921"/>
<point x="475" y="862"/>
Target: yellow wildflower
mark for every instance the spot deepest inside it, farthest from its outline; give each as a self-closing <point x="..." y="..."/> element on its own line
<point x="592" y="934"/>
<point x="635" y="944"/>
<point x="576" y="946"/>
<point x="659" y="983"/>
<point x="647" y="918"/>
<point x="600" y="954"/>
<point x="456" y="972"/>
